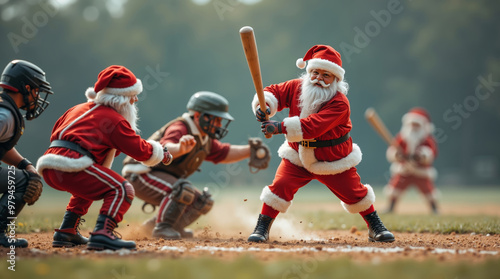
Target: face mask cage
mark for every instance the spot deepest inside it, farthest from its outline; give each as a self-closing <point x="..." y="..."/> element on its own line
<point x="208" y="124"/>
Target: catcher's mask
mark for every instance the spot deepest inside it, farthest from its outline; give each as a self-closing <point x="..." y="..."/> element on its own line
<point x="214" y="116"/>
<point x="19" y="73"/>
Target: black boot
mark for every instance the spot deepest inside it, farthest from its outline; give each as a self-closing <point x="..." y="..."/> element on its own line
<point x="6" y="240"/>
<point x="377" y="232"/>
<point x="261" y="231"/>
<point x="68" y="235"/>
<point x="105" y="237"/>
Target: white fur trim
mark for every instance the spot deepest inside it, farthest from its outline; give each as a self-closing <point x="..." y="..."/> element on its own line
<point x="274" y="200"/>
<point x="271" y="101"/>
<point x="157" y="155"/>
<point x="293" y="129"/>
<point x="323" y="64"/>
<point x="135" y="168"/>
<point x="62" y="163"/>
<point x="305" y="158"/>
<point x="300" y="63"/>
<point x="363" y="204"/>
<point x="409" y="168"/>
<point x="127" y="91"/>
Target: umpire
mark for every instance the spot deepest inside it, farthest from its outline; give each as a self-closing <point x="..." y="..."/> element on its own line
<point x="23" y="86"/>
<point x="191" y="138"/>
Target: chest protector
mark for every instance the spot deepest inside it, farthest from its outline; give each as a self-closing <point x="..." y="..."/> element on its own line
<point x="7" y="102"/>
<point x="184" y="165"/>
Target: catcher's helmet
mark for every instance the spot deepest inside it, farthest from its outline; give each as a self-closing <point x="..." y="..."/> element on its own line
<point x="211" y="106"/>
<point x="19" y="73"/>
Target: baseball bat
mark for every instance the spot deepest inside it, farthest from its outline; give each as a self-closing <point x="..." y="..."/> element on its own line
<point x="372" y="117"/>
<point x="252" y="56"/>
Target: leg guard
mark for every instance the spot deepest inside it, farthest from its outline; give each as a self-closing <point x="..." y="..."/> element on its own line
<point x="11" y="204"/>
<point x="202" y="204"/>
<point x="182" y="195"/>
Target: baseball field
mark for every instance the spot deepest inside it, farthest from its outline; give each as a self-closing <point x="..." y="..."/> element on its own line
<point x="316" y="238"/>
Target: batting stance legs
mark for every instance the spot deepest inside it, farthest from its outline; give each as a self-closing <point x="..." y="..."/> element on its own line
<point x="179" y="202"/>
<point x="355" y="198"/>
<point x="94" y="183"/>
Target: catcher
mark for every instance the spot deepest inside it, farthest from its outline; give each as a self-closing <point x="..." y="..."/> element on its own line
<point x="191" y="139"/>
<point x="23" y="86"/>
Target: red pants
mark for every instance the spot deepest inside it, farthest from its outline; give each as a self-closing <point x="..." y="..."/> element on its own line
<point x="290" y="178"/>
<point x="94" y="183"/>
<point x="400" y="183"/>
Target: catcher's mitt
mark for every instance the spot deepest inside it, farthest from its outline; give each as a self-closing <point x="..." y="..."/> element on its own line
<point x="34" y="189"/>
<point x="259" y="155"/>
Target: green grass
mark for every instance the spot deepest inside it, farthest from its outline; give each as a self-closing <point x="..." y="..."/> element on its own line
<point x="245" y="267"/>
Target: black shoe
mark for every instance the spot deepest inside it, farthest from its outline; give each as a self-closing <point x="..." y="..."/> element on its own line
<point x="5" y="241"/>
<point x="261" y="231"/>
<point x="104" y="236"/>
<point x="68" y="235"/>
<point x="377" y="232"/>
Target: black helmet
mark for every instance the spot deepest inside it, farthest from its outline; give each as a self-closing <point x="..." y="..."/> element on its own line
<point x="20" y="73"/>
<point x="211" y="105"/>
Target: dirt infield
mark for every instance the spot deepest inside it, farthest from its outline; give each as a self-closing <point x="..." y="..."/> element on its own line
<point x="326" y="244"/>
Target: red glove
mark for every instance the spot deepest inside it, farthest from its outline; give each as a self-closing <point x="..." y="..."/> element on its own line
<point x="271" y="127"/>
<point x="167" y="157"/>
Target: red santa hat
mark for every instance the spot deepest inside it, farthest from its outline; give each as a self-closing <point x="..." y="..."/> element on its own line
<point x="115" y="80"/>
<point x="322" y="57"/>
<point x="419" y="115"/>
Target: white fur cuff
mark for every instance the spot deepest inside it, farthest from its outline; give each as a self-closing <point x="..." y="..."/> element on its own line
<point x="271" y="101"/>
<point x="274" y="200"/>
<point x="157" y="155"/>
<point x="363" y="204"/>
<point x="293" y="129"/>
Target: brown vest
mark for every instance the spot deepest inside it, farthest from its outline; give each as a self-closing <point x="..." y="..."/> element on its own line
<point x="184" y="165"/>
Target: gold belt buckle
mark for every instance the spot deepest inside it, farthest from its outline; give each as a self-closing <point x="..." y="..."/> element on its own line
<point x="305" y="143"/>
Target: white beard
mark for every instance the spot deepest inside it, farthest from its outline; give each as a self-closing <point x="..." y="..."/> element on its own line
<point x="122" y="105"/>
<point x="312" y="96"/>
<point x="413" y="137"/>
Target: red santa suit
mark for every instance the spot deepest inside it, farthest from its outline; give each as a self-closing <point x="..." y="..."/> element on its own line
<point x="100" y="130"/>
<point x="412" y="158"/>
<point x="334" y="166"/>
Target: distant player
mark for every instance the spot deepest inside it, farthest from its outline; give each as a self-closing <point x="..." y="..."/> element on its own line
<point x="412" y="156"/>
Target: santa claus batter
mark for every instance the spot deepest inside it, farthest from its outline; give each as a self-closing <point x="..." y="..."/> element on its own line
<point x="318" y="145"/>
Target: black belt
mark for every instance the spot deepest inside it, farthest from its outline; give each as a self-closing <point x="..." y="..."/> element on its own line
<point x="73" y="146"/>
<point x="324" y="143"/>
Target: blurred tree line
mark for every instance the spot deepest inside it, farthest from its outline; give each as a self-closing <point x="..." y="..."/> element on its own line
<point x="443" y="56"/>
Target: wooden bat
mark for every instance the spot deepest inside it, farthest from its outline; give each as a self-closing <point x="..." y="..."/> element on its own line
<point x="379" y="126"/>
<point x="252" y="56"/>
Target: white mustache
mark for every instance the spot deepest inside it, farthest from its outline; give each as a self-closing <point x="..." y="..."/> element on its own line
<point x="320" y="82"/>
